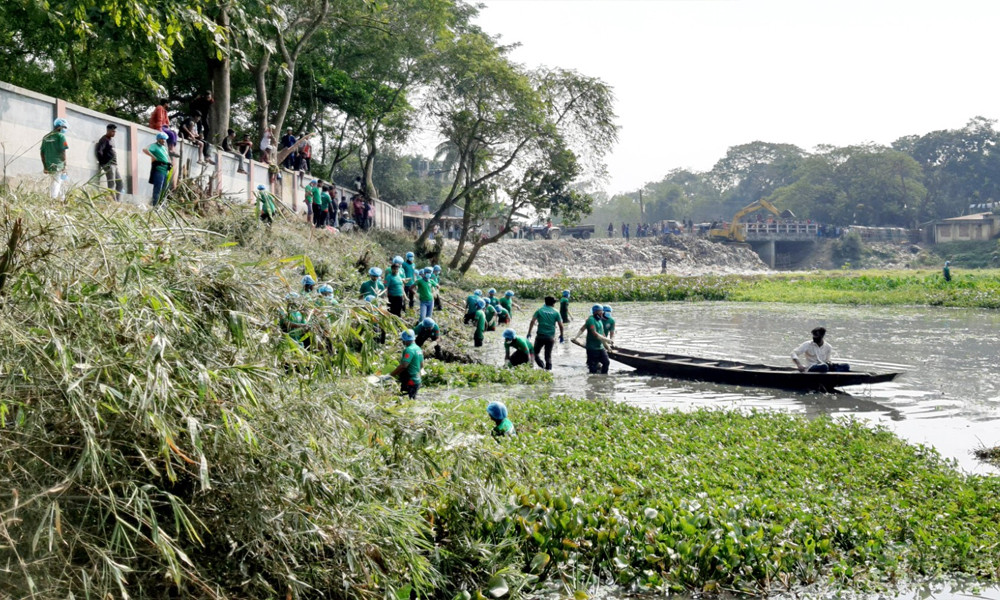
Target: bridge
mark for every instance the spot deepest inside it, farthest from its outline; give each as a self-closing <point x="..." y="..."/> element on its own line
<point x="769" y="239"/>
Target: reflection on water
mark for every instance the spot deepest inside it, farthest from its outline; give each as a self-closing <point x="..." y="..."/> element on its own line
<point x="948" y="398"/>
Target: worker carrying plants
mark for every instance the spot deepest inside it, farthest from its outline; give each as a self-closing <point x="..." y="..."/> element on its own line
<point x="597" y="343"/>
<point x="522" y="352"/>
<point x="266" y="207"/>
<point x="410" y="364"/>
<point x="502" y="425"/>
<point x="374" y="285"/>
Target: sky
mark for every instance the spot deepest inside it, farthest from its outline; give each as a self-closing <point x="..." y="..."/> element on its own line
<point x="695" y="77"/>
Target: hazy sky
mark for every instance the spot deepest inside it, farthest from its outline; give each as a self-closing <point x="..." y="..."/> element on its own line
<point x="694" y="77"/>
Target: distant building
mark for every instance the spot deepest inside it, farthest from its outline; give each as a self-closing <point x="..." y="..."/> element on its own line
<point x="979" y="226"/>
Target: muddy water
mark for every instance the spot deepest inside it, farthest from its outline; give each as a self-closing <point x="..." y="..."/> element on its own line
<point x="949" y="397"/>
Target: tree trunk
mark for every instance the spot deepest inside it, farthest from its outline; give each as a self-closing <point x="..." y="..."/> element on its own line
<point x="260" y="86"/>
<point x="369" y="168"/>
<point x="463" y="237"/>
<point x="219" y="71"/>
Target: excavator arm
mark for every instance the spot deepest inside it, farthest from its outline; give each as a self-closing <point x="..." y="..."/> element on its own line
<point x="734" y="232"/>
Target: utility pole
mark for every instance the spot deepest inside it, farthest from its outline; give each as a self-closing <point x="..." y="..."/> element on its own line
<point x="642" y="212"/>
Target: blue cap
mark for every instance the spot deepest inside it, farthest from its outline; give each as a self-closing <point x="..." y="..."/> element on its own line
<point x="596" y="308"/>
<point x="481" y="304"/>
<point x="60" y="123"/>
<point x="261" y="187"/>
<point x="428" y="322"/>
<point x="437" y="268"/>
<point x="325" y="289"/>
<point x="607" y="309"/>
<point x="428" y="270"/>
<point x="509" y="294"/>
<point x="308" y="280"/>
<point x="409" y="255"/>
<point x="565" y="293"/>
<point x="492" y="291"/>
<point x="370" y="298"/>
<point x="509" y="334"/>
<point x="496" y="411"/>
<point x="477" y="293"/>
<point x="162" y="136"/>
<point x="397" y="260"/>
<point x="375" y="272"/>
<point x="408" y="336"/>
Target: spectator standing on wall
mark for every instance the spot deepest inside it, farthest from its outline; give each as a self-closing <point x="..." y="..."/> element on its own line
<point x="288" y="141"/>
<point x="160" y="121"/>
<point x="53" y="153"/>
<point x="369" y="214"/>
<point x="159" y="174"/>
<point x="268" y="144"/>
<point x="107" y="160"/>
<point x="245" y="149"/>
<point x="305" y="155"/>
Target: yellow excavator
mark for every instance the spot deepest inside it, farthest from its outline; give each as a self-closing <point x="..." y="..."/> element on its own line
<point x="734" y="233"/>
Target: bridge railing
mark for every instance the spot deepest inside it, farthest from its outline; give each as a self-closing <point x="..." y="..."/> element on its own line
<point x="780" y="230"/>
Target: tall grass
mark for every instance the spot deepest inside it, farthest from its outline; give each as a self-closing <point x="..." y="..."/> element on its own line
<point x="160" y="435"/>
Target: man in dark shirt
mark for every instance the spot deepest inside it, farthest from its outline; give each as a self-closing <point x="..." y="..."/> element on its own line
<point x="287" y="141"/>
<point x="245" y="149"/>
<point x="107" y="160"/>
<point x="203" y="104"/>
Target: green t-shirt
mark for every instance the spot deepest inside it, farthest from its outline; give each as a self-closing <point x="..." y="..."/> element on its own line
<point x="519" y="344"/>
<point x="594" y="325"/>
<point x="425" y="290"/>
<point x="309" y="194"/>
<point x="433" y="331"/>
<point x="505" y="427"/>
<point x="564" y="309"/>
<point x="317" y="195"/>
<point x="547" y="317"/>
<point x="54" y="148"/>
<point x="408" y="272"/>
<point x="502" y="312"/>
<point x="324" y="201"/>
<point x="373" y="287"/>
<point x="490" y="312"/>
<point x="471" y="303"/>
<point x="480" y="324"/>
<point x="394" y="283"/>
<point x="295" y="317"/>
<point x="265" y="203"/>
<point x="609" y="325"/>
<point x="160" y="155"/>
<point x="507" y="303"/>
<point x="413" y="356"/>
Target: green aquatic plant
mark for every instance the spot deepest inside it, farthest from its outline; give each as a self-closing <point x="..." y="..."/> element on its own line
<point x="471" y="375"/>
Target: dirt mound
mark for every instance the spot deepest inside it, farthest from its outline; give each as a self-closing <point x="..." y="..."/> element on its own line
<point x="610" y="257"/>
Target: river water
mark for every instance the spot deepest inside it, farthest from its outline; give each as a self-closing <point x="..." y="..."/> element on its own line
<point x="948" y="398"/>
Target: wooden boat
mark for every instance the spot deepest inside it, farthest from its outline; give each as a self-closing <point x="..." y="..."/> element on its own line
<point x="737" y="373"/>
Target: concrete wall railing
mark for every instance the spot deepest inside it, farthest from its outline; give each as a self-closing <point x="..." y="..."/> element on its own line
<point x="26" y="117"/>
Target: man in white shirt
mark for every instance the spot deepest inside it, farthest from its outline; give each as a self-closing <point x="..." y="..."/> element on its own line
<point x="817" y="355"/>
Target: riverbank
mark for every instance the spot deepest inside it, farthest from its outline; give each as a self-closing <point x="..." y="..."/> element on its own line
<point x="164" y="437"/>
<point x="969" y="289"/>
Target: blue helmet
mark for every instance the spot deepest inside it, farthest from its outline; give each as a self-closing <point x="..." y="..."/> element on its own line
<point x="370" y="298"/>
<point x="60" y="123"/>
<point x="437" y="268"/>
<point x="162" y="136"/>
<point x="428" y="322"/>
<point x="261" y="187"/>
<point x="477" y="293"/>
<point x="397" y="260"/>
<point x="409" y="256"/>
<point x="492" y="291"/>
<point x="607" y="309"/>
<point x="307" y="280"/>
<point x="509" y="334"/>
<point x="565" y="294"/>
<point x="429" y="269"/>
<point x="596" y="308"/>
<point x="325" y="289"/>
<point x="481" y="304"/>
<point x="496" y="410"/>
<point x="509" y="294"/>
<point x="375" y="272"/>
<point x="408" y="336"/>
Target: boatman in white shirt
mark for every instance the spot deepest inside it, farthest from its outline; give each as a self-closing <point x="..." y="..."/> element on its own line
<point x="817" y="355"/>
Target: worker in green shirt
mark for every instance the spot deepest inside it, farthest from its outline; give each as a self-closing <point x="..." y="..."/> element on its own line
<point x="480" y="320"/>
<point x="564" y="307"/>
<point x="502" y="425"/>
<point x="516" y="350"/>
<point x="491" y="297"/>
<point x="308" y="285"/>
<point x="946" y="272"/>
<point x="326" y="296"/>
<point x="547" y="318"/>
<point x="508" y="301"/>
<point x="425" y="292"/>
<point x="471" y="305"/>
<point x="266" y="207"/>
<point x="428" y="329"/>
<point x="410" y="365"/>
<point x="437" y="290"/>
<point x="161" y="169"/>
<point x="609" y="323"/>
<point x="503" y="317"/>
<point x="310" y="189"/>
<point x="491" y="317"/>
<point x="409" y="272"/>
<point x="374" y="285"/>
<point x="293" y="322"/>
<point x="394" y="286"/>
<point x="597" y="344"/>
<point x="53" y="152"/>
